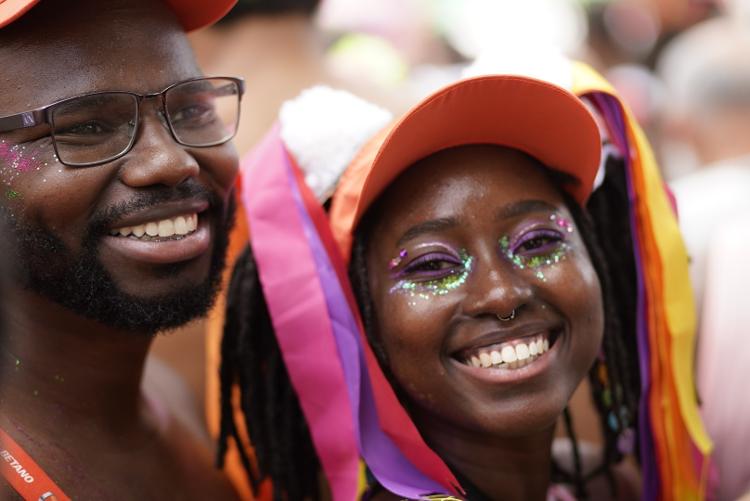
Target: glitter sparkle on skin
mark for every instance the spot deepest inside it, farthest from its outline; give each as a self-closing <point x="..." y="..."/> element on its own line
<point x="439" y="286"/>
<point x="393" y="263"/>
<point x="17" y="159"/>
<point x="562" y="223"/>
<point x="537" y="262"/>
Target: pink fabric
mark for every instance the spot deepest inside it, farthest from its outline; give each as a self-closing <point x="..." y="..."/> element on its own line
<point x="557" y="492"/>
<point x="299" y="312"/>
<point x="724" y="354"/>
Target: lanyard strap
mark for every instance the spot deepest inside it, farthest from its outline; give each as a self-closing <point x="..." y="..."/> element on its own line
<point x="24" y="475"/>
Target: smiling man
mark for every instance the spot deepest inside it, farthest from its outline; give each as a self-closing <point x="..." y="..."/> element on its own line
<point x="116" y="176"/>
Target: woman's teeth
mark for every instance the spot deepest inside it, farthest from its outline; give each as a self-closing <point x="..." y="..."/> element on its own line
<point x="174" y="227"/>
<point x="510" y="355"/>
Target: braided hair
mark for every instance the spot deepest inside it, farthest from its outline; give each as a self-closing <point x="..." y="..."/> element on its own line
<point x="251" y="359"/>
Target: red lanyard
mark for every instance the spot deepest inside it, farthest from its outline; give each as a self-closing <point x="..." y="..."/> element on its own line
<point x="24" y="475"/>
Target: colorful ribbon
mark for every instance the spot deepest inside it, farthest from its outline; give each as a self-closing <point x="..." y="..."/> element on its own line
<point x="293" y="245"/>
<point x="674" y="446"/>
<point x="347" y="401"/>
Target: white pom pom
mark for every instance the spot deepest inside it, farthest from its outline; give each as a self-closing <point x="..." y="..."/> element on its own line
<point x="324" y="129"/>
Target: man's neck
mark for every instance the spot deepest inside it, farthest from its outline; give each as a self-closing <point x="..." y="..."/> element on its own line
<point x="60" y="369"/>
<point x="501" y="468"/>
<point x="71" y="398"/>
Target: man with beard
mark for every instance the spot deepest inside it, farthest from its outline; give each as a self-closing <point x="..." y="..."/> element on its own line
<point x="116" y="177"/>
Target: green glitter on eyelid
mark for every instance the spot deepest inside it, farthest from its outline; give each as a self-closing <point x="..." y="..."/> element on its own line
<point x="439" y="286"/>
<point x="534" y="262"/>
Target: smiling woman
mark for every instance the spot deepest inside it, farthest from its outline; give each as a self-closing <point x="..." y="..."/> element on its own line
<point x="489" y="276"/>
<point x="493" y="264"/>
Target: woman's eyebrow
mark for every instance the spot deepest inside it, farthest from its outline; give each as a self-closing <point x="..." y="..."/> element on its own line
<point x="427" y="227"/>
<point x="524" y="207"/>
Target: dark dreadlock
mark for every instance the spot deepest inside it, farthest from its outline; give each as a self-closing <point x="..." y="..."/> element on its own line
<point x="614" y="378"/>
<point x="251" y="358"/>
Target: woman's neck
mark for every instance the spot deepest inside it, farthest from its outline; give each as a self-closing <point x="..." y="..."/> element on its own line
<point x="508" y="468"/>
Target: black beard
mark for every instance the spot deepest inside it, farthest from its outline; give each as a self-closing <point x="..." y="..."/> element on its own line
<point x="80" y="282"/>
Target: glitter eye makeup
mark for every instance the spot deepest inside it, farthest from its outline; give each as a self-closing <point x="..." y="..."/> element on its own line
<point x="393" y="263"/>
<point x="562" y="223"/>
<point x="433" y="274"/>
<point x="538" y="248"/>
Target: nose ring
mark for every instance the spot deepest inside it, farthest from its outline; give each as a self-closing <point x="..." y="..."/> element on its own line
<point x="507" y="318"/>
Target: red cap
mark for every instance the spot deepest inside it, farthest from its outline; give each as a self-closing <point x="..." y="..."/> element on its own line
<point x="192" y="14"/>
<point x="541" y="119"/>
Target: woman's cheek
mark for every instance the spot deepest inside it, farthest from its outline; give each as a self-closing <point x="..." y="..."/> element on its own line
<point x="585" y="303"/>
<point x="410" y="322"/>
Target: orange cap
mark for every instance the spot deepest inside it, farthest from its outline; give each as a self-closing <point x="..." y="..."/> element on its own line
<point x="192" y="14"/>
<point x="541" y="119"/>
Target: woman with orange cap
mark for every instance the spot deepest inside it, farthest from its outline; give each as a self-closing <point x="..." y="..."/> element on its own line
<point x="477" y="262"/>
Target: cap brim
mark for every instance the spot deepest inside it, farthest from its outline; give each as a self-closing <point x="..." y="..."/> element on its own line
<point x="192" y="14"/>
<point x="538" y="118"/>
<point x="10" y="10"/>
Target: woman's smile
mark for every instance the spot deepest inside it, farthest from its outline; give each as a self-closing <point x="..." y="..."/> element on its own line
<point x="516" y="361"/>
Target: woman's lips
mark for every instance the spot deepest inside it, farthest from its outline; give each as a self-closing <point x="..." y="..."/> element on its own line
<point x="508" y="355"/>
<point x="511" y="360"/>
<point x="165" y="241"/>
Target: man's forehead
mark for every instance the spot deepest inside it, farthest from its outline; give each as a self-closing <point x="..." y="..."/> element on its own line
<point x="136" y="45"/>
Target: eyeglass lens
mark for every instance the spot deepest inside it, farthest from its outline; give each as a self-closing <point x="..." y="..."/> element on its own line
<point x="97" y="128"/>
<point x="94" y="128"/>
<point x="203" y="112"/>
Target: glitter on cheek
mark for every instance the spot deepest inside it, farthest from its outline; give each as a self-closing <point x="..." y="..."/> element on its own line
<point x="436" y="287"/>
<point x="17" y="159"/>
<point x="12" y="194"/>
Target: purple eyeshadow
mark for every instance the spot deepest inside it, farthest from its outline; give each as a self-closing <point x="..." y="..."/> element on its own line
<point x="553" y="240"/>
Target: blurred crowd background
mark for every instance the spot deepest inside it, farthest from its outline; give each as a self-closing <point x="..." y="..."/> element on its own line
<point x="673" y="60"/>
<point x="682" y="65"/>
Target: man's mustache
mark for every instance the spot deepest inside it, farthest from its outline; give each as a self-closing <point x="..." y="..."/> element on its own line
<point x="103" y="219"/>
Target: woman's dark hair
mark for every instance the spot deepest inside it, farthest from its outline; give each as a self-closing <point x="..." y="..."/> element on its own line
<point x="283" y="449"/>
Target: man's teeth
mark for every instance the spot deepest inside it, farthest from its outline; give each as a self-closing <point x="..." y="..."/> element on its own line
<point x="180" y="225"/>
<point x="511" y="355"/>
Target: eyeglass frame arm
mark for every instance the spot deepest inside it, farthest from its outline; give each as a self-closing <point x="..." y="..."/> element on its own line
<point x="39" y="116"/>
<point x="25" y="119"/>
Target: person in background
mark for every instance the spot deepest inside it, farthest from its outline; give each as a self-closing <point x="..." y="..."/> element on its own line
<point x="117" y="178"/>
<point x="708" y="74"/>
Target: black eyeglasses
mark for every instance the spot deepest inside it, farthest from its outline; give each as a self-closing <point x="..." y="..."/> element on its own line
<point x="96" y="128"/>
